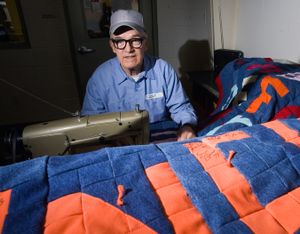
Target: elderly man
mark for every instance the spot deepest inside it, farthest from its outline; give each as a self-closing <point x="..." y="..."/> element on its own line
<point x="135" y="78"/>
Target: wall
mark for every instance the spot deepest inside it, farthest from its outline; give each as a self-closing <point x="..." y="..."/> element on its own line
<point x="273" y="32"/>
<point x="184" y="33"/>
<point x="261" y="28"/>
<point x="225" y="29"/>
<point x="44" y="70"/>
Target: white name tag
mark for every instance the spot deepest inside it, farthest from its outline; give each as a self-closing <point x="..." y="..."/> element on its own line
<point x="154" y="95"/>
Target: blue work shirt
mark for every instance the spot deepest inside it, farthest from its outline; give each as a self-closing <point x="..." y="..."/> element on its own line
<point x="158" y="91"/>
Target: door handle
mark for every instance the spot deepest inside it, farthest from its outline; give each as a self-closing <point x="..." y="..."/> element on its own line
<point x="85" y="50"/>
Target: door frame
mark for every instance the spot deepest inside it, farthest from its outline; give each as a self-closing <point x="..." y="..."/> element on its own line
<point x="150" y="21"/>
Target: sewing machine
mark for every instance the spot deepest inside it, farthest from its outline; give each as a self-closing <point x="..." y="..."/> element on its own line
<point x="85" y="133"/>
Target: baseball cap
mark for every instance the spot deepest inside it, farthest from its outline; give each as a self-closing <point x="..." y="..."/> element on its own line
<point x="130" y="18"/>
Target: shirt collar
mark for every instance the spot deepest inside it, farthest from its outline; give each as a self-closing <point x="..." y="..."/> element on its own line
<point x="122" y="76"/>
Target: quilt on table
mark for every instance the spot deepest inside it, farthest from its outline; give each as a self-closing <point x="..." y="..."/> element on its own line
<point x="253" y="91"/>
<point x="244" y="181"/>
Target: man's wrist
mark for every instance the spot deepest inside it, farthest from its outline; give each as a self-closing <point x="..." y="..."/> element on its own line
<point x="193" y="127"/>
<point x="186" y="131"/>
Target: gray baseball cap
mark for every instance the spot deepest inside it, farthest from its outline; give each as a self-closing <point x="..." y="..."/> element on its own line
<point x="130" y="18"/>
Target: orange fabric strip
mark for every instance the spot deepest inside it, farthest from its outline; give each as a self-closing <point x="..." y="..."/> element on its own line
<point x="61" y="208"/>
<point x="229" y="136"/>
<point x="82" y="213"/>
<point x="4" y="205"/>
<point x="263" y="222"/>
<point x="209" y="155"/>
<point x="264" y="97"/>
<point x="242" y="199"/>
<point x="180" y="211"/>
<point x="296" y="141"/>
<point x="102" y="217"/>
<point x="286" y="210"/>
<point x="289" y="135"/>
<point x="232" y="184"/>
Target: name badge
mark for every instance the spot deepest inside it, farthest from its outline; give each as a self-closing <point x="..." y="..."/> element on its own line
<point x="151" y="96"/>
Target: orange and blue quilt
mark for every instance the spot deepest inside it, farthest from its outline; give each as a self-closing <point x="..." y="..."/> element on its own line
<point x="254" y="91"/>
<point x="243" y="181"/>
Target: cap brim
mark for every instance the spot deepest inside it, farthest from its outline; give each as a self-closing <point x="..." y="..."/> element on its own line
<point x="131" y="25"/>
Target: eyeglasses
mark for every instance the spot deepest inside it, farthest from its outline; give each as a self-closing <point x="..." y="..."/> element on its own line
<point x="136" y="43"/>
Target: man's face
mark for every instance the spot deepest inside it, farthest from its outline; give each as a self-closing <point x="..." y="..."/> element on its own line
<point x="132" y="55"/>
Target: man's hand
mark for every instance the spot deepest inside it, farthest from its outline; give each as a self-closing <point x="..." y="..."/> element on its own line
<point x="185" y="132"/>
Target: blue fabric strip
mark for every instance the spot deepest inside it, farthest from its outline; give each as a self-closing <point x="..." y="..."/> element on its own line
<point x="29" y="184"/>
<point x="140" y="200"/>
<point x="266" y="161"/>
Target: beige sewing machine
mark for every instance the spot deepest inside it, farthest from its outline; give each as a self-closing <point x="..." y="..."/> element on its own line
<point x="75" y="134"/>
<point x="80" y="134"/>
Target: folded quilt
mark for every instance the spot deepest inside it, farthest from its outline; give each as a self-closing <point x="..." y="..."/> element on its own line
<point x="254" y="91"/>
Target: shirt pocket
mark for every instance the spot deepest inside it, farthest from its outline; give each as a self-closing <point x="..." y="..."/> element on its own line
<point x="156" y="108"/>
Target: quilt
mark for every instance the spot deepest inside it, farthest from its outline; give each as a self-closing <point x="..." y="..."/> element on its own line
<point x="243" y="181"/>
<point x="253" y="91"/>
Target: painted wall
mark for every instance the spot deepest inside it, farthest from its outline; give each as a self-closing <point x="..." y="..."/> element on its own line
<point x="273" y="32"/>
<point x="184" y="33"/>
<point x="260" y="28"/>
<point x="42" y="76"/>
<point x="225" y="29"/>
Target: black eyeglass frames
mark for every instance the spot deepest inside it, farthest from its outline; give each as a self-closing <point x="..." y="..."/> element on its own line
<point x="135" y="42"/>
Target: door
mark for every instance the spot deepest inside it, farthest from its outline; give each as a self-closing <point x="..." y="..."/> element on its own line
<point x="88" y="22"/>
